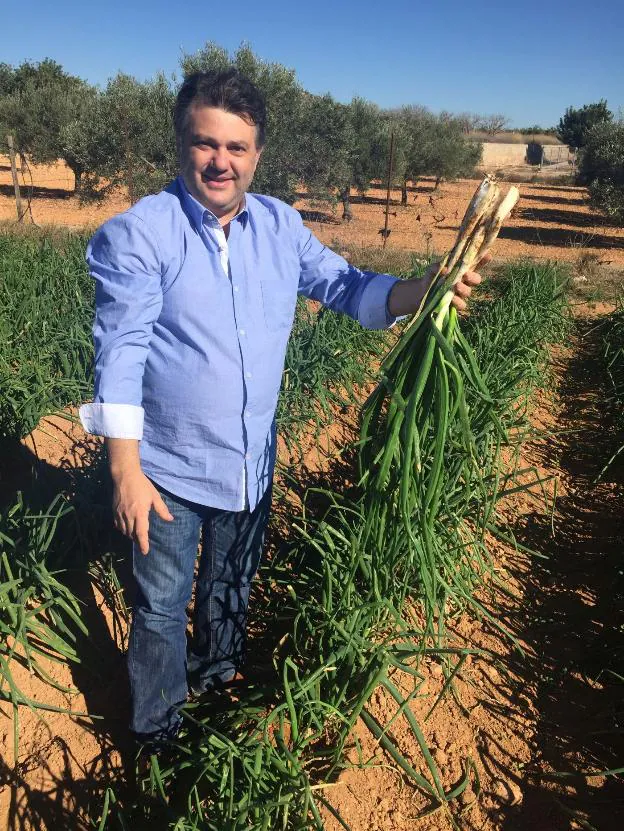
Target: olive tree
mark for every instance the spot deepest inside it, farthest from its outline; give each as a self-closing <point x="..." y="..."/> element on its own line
<point x="38" y="102"/>
<point x="430" y="145"/>
<point x="126" y="138"/>
<point x="365" y="150"/>
<point x="575" y="124"/>
<point x="602" y="168"/>
<point x="448" y="154"/>
<point x="324" y="145"/>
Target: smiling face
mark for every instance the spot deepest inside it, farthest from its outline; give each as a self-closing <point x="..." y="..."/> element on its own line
<point x="218" y="158"/>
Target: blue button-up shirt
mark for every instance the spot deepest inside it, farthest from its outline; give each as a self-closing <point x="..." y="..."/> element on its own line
<point x="191" y="333"/>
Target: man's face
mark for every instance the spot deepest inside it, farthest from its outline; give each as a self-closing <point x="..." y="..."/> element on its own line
<point x="218" y="158"/>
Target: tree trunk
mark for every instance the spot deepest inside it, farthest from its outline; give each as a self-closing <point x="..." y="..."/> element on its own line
<point x="438" y="180"/>
<point x="345" y="193"/>
<point x="404" y="192"/>
<point x="77" y="170"/>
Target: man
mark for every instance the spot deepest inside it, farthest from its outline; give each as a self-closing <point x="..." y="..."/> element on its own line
<point x="195" y="298"/>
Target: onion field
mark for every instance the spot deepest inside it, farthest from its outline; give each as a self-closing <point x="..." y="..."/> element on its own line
<point x="373" y="556"/>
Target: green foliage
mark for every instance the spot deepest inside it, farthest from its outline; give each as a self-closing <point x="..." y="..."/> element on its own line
<point x="38" y="103"/>
<point x="326" y="125"/>
<point x="612" y="337"/>
<point x="429" y="145"/>
<point x="45" y="345"/>
<point x="448" y="154"/>
<point x="537" y="128"/>
<point x="343" y="146"/>
<point x="126" y="137"/>
<point x="575" y="124"/>
<point x="602" y="169"/>
<point x="367" y="147"/>
<point x="39" y="615"/>
<point x="323" y="371"/>
<point x="7" y="79"/>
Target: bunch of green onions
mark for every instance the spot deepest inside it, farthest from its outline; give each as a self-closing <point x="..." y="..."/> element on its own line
<point x="419" y="410"/>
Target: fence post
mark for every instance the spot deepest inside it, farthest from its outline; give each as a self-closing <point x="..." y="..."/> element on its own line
<point x="386" y="233"/>
<point x="18" y="195"/>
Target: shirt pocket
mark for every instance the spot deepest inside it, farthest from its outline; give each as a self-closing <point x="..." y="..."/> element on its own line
<point x="278" y="302"/>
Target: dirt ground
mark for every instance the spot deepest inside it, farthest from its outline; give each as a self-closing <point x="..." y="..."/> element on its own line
<point x="551" y="221"/>
<point x="518" y="713"/>
<point x="523" y="713"/>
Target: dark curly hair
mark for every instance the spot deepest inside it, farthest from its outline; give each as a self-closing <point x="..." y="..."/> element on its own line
<point x="228" y="90"/>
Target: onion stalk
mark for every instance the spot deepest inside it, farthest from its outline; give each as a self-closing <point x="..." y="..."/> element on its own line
<point x="419" y="409"/>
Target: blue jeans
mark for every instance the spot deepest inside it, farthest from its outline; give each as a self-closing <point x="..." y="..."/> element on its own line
<point x="159" y="664"/>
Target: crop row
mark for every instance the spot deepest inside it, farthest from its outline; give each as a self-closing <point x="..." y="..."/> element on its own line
<point x="350" y="599"/>
<point x="612" y="333"/>
<point x="355" y="609"/>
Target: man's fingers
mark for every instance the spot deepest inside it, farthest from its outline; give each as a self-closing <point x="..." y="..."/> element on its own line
<point x="463" y="290"/>
<point x="471" y="278"/>
<point x="121" y="525"/>
<point x="485" y="259"/>
<point x="140" y="536"/>
<point x="161" y="509"/>
<point x="459" y="303"/>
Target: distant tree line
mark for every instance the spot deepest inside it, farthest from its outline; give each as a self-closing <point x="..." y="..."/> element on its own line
<point x="124" y="134"/>
<point x="599" y="140"/>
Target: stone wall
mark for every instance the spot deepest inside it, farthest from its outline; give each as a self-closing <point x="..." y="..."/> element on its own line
<point x="497" y="155"/>
<point x="502" y="155"/>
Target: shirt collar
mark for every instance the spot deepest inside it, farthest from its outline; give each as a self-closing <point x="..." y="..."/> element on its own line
<point x="200" y="215"/>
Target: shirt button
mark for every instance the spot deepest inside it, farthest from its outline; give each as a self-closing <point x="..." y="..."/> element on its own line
<point x="248" y="375"/>
<point x="235" y="288"/>
<point x="241" y="331"/>
<point x="247" y="456"/>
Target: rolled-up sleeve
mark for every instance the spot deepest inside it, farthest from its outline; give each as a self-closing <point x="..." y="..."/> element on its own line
<point x="125" y="261"/>
<point x="327" y="277"/>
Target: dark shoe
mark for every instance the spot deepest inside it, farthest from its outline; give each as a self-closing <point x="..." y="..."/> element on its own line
<point x="216" y="685"/>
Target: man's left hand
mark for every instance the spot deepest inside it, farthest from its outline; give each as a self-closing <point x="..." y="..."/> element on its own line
<point x="406" y="296"/>
<point x="464" y="288"/>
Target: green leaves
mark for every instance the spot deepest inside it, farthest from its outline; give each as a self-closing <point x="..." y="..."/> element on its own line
<point x="45" y="343"/>
<point x="39" y="615"/>
<point x="576" y="124"/>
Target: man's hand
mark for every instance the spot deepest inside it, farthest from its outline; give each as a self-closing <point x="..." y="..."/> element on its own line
<point x="406" y="296"/>
<point x="133" y="494"/>
<point x="463" y="289"/>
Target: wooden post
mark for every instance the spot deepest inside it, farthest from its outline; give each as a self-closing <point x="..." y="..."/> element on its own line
<point x="18" y="195"/>
<point x="385" y="233"/>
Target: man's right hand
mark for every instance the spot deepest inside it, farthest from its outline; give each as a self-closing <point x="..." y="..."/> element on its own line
<point x="133" y="494"/>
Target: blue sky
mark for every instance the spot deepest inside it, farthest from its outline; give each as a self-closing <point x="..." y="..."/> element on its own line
<point x="527" y="60"/>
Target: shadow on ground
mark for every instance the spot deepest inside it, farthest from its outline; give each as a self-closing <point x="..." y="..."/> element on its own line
<point x="573" y="614"/>
<point x="40" y="191"/>
<point x="53" y="787"/>
<point x="563" y="237"/>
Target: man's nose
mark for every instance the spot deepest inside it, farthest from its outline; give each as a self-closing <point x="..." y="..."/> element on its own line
<point x="219" y="158"/>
